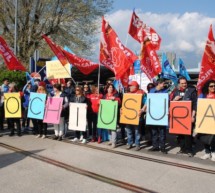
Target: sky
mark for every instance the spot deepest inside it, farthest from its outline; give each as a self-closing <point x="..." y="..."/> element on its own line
<point x="182" y="24"/>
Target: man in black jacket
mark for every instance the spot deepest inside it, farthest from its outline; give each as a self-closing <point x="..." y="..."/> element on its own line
<point x="185" y="93"/>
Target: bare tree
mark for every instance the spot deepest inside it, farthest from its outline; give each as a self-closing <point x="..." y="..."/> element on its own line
<point x="69" y="22"/>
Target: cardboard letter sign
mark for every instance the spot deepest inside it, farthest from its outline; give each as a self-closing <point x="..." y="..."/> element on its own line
<point x="12" y="105"/>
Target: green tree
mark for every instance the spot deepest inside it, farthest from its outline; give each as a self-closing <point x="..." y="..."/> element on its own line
<point x="69" y="22"/>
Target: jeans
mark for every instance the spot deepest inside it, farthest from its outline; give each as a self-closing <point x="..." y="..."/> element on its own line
<point x="158" y="136"/>
<point x="129" y="130"/>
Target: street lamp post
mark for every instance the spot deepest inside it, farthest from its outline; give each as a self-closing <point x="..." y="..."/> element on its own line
<point x="15" y="34"/>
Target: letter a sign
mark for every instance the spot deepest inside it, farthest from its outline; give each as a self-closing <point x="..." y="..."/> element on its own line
<point x="107" y="116"/>
<point x="205" y="119"/>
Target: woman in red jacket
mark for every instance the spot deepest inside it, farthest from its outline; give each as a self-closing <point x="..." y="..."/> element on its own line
<point x="94" y="101"/>
<point x="112" y="95"/>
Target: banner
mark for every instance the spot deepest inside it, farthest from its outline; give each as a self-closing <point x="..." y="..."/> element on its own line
<point x="10" y="59"/>
<point x="205" y="116"/>
<point x="12" y="105"/>
<point x="135" y="30"/>
<point x="131" y="105"/>
<point x="36" y="105"/>
<point x="113" y="54"/>
<point x="157" y="109"/>
<point x="55" y="70"/>
<point x="107" y="116"/>
<point x="53" y="110"/>
<point x="180" y="117"/>
<point x="207" y="70"/>
<point x="77" y="116"/>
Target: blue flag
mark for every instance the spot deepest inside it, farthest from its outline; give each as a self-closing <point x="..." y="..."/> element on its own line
<point x="137" y="69"/>
<point x="29" y="78"/>
<point x="182" y="70"/>
<point x="167" y="71"/>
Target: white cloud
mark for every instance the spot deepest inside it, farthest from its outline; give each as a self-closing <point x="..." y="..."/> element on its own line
<point x="183" y="34"/>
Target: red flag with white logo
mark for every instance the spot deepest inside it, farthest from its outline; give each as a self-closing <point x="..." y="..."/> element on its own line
<point x="135" y="30"/>
<point x="113" y="54"/>
<point x="10" y="59"/>
<point x="207" y="70"/>
<point x="57" y="50"/>
<point x="150" y="63"/>
<point x="84" y="65"/>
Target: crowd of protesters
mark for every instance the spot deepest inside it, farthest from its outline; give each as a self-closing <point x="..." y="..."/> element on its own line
<point x="128" y="134"/>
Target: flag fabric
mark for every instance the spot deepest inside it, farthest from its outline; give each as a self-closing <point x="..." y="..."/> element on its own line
<point x="29" y="78"/>
<point x="135" y="30"/>
<point x="182" y="69"/>
<point x="167" y="71"/>
<point x="57" y="50"/>
<point x="10" y="59"/>
<point x="84" y="65"/>
<point x="207" y="70"/>
<point x="113" y="54"/>
<point x="150" y="63"/>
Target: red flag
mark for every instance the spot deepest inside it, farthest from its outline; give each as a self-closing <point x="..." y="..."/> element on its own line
<point x="84" y="65"/>
<point x="10" y="59"/>
<point x="207" y="71"/>
<point x="150" y="63"/>
<point x="57" y="50"/>
<point x="135" y="30"/>
<point x="113" y="54"/>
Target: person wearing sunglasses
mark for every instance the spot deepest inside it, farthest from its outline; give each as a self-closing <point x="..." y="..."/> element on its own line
<point x="208" y="91"/>
<point x="79" y="98"/>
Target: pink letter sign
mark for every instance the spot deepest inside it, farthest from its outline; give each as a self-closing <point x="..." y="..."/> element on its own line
<point x="53" y="110"/>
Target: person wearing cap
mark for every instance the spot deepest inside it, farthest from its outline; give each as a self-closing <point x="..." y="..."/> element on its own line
<point x="133" y="89"/>
<point x="158" y="132"/>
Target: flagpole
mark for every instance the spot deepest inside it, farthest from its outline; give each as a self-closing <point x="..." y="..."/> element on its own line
<point x="99" y="75"/>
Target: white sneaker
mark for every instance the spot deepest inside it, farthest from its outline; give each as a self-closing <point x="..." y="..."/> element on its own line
<point x="75" y="140"/>
<point x="84" y="141"/>
<point x="81" y="138"/>
<point x="38" y="136"/>
<point x="206" y="156"/>
<point x="43" y="137"/>
<point x="213" y="157"/>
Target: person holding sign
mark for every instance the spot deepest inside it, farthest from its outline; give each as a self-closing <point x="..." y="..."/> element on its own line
<point x="130" y="129"/>
<point x="12" y="121"/>
<point x="158" y="131"/>
<point x="112" y="95"/>
<point x="79" y="98"/>
<point x="94" y="101"/>
<point x="59" y="128"/>
<point x="185" y="93"/>
<point x="41" y="125"/>
<point x="208" y="91"/>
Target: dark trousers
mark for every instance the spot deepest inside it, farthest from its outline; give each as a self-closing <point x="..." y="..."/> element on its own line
<point x="42" y="127"/>
<point x="78" y="134"/>
<point x="12" y="122"/>
<point x="25" y="119"/>
<point x="2" y="117"/>
<point x="158" y="136"/>
<point x="35" y="126"/>
<point x="92" y="124"/>
<point x="185" y="142"/>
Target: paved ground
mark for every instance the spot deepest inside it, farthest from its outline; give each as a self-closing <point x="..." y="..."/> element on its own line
<point x="21" y="173"/>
